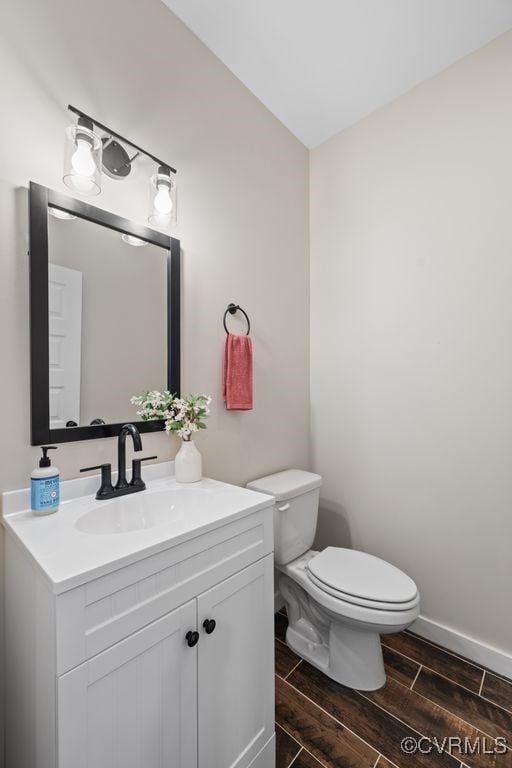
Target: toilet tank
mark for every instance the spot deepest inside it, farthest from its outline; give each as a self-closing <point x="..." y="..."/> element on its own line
<point x="295" y="510"/>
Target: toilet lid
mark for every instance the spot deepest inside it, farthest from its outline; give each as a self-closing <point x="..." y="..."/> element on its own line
<point x="361" y="576"/>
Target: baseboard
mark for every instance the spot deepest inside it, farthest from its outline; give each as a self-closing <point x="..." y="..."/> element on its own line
<point x="485" y="655"/>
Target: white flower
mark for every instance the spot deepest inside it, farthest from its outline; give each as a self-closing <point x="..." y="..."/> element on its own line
<point x="180" y="414"/>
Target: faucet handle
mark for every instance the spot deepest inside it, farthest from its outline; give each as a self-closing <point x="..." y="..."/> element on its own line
<point x="100" y="466"/>
<point x="106" y="487"/>
<point x="136" y="471"/>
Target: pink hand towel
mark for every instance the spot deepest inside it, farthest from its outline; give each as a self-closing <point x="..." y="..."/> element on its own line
<point x="238" y="373"/>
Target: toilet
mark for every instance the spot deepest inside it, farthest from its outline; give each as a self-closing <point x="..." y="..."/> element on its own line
<point x="339" y="601"/>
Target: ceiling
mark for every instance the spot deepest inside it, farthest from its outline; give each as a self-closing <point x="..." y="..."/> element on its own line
<point x="321" y="65"/>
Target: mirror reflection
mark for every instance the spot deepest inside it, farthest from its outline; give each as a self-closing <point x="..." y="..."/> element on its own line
<point x="107" y="321"/>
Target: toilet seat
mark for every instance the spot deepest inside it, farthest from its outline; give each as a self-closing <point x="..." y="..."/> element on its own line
<point x="362" y="579"/>
<point x="392" y="618"/>
<point x="360" y="602"/>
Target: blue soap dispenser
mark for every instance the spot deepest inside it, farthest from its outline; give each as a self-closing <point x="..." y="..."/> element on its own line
<point x="45" y="485"/>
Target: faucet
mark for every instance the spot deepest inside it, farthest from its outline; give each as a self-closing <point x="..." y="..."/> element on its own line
<point x="107" y="490"/>
<point x="128" y="429"/>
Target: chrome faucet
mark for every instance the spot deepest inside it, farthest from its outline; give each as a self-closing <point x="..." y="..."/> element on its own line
<point x="107" y="490"/>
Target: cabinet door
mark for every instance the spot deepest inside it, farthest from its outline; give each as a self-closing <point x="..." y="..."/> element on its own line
<point x="236" y="668"/>
<point x="134" y="705"/>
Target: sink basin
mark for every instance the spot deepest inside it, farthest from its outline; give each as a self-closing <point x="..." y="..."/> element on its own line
<point x="147" y="509"/>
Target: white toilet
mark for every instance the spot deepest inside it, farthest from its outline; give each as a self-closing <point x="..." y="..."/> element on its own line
<point x="339" y="601"/>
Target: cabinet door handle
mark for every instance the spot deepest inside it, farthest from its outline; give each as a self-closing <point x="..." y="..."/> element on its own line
<point x="283" y="508"/>
<point x="192" y="638"/>
<point x="209" y="625"/>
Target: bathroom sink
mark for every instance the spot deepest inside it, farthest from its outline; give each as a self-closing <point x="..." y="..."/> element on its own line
<point x="147" y="509"/>
<point x="88" y="538"/>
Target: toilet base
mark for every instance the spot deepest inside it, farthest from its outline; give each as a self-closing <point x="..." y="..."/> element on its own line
<point x="345" y="652"/>
<point x="352" y="657"/>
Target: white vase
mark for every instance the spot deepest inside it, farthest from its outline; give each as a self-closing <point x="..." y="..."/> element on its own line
<point x="187" y="463"/>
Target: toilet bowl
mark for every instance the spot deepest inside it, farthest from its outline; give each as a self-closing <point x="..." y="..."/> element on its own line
<point x="339" y="601"/>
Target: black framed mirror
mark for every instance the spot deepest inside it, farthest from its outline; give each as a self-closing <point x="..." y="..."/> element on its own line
<point x="104" y="318"/>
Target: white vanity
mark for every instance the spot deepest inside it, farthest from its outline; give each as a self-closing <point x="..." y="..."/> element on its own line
<point x="139" y="630"/>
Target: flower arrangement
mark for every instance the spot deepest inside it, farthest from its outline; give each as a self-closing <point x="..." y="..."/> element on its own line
<point x="182" y="415"/>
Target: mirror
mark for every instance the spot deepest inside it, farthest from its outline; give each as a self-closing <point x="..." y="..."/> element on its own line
<point x="104" y="318"/>
<point x="99" y="328"/>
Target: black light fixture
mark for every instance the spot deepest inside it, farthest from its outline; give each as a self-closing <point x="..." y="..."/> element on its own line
<point x="92" y="147"/>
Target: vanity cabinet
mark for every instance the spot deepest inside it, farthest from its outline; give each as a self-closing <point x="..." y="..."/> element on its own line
<point x="112" y="672"/>
<point x="236" y="668"/>
<point x="134" y="704"/>
<point x="153" y="700"/>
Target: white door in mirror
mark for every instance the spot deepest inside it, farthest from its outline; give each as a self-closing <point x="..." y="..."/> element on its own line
<point x="64" y="344"/>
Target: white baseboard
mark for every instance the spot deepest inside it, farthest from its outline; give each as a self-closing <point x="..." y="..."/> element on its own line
<point x="485" y="655"/>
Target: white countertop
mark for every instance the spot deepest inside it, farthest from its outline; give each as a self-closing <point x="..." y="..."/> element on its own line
<point x="69" y="554"/>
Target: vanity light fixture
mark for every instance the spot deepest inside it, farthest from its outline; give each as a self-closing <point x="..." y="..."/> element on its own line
<point x="92" y="147"/>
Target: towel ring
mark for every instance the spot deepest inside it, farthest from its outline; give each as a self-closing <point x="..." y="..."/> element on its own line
<point x="232" y="308"/>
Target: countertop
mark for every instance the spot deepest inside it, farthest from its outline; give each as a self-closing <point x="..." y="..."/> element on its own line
<point x="69" y="554"/>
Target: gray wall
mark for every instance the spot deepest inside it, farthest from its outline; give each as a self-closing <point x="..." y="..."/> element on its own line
<point x="411" y="340"/>
<point x="242" y="214"/>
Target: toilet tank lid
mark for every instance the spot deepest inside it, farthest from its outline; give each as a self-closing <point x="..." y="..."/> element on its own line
<point x="287" y="484"/>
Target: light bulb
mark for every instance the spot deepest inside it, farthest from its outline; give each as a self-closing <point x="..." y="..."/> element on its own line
<point x="163" y="202"/>
<point x="162" y="198"/>
<point x="82" y="160"/>
<point x="84" y="185"/>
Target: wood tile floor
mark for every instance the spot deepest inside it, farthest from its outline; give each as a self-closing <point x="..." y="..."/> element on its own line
<point x="429" y="692"/>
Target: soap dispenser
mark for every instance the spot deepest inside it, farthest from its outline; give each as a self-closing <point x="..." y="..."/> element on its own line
<point x="45" y="485"/>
